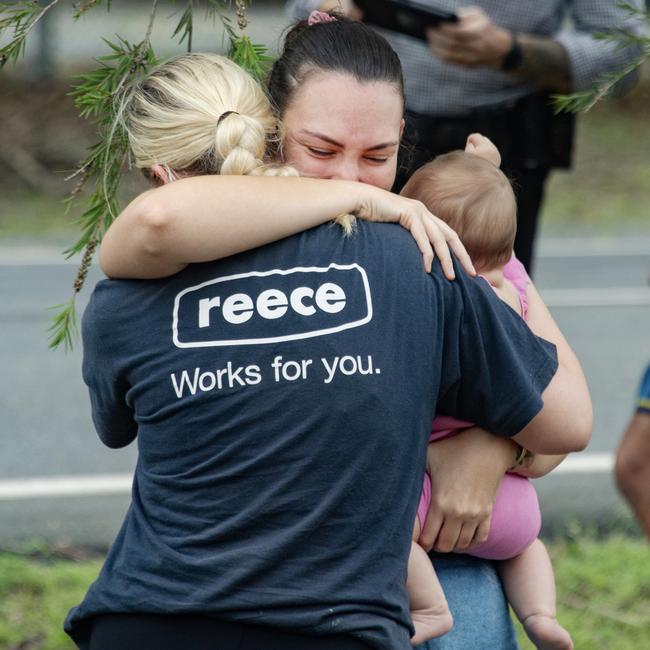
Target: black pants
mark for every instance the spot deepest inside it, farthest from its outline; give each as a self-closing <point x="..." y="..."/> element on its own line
<point x="427" y="137"/>
<point x="195" y="632"/>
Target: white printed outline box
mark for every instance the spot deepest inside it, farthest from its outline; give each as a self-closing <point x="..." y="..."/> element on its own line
<point x="275" y="339"/>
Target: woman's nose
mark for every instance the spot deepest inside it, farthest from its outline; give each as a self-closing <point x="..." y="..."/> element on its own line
<point x="347" y="170"/>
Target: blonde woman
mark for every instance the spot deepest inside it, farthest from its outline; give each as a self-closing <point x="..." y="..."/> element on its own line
<point x="282" y="397"/>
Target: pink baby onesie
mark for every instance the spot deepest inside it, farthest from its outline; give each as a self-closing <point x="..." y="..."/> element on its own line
<point x="516" y="519"/>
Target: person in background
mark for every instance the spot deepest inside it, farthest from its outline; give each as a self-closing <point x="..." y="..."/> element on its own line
<point x="492" y="73"/>
<point x="632" y="468"/>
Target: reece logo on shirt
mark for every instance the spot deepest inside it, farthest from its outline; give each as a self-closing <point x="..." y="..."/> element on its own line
<point x="271" y="306"/>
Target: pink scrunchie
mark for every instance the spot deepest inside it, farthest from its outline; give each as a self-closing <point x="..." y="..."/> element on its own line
<point x="316" y="17"/>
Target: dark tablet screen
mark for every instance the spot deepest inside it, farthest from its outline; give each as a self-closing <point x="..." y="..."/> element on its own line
<point x="404" y="16"/>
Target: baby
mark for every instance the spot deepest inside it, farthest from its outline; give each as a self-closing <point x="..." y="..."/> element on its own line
<point x="469" y="191"/>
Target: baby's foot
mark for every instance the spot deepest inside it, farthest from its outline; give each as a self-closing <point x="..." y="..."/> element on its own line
<point x="430" y="623"/>
<point x="546" y="633"/>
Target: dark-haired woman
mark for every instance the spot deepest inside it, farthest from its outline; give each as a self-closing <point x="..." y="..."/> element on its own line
<point x="282" y="397"/>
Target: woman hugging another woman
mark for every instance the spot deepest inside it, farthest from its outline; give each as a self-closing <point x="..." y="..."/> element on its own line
<point x="271" y="511"/>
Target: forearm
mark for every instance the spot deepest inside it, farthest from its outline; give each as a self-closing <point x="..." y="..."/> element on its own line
<point x="544" y="64"/>
<point x="565" y="421"/>
<point x="210" y="217"/>
<point x="592" y="59"/>
<point x="465" y="471"/>
<point x="541" y="465"/>
<point x="542" y="323"/>
<point x="506" y="452"/>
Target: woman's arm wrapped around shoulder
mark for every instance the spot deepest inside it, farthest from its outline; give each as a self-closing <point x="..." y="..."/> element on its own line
<point x="204" y="218"/>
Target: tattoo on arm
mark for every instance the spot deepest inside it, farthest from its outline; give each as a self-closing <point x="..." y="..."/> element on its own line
<point x="545" y="64"/>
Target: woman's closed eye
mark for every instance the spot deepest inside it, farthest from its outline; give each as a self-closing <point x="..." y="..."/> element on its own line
<point x="377" y="160"/>
<point x="320" y="153"/>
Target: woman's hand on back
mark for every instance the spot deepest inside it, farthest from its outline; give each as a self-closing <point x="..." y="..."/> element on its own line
<point x="431" y="234"/>
<point x="466" y="471"/>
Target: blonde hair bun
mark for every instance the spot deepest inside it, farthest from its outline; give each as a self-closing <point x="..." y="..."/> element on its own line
<point x="172" y="117"/>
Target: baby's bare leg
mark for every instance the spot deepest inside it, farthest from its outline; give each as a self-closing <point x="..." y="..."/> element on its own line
<point x="427" y="602"/>
<point x="529" y="584"/>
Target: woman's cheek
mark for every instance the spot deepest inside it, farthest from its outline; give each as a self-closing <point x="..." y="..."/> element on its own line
<point x="308" y="165"/>
<point x="382" y="176"/>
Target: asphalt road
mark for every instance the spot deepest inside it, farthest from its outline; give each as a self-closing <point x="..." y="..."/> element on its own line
<point x="57" y="482"/>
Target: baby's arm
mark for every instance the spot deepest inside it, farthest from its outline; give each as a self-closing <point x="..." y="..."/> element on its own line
<point x="204" y="218"/>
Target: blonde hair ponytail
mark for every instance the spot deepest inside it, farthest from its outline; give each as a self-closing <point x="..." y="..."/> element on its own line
<point x="240" y="142"/>
<point x="201" y="114"/>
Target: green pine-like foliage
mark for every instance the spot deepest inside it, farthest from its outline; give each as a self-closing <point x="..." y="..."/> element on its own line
<point x="97" y="95"/>
<point x="586" y="99"/>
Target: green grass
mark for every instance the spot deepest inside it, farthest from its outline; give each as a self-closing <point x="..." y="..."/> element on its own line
<point x="36" y="594"/>
<point x="30" y="214"/>
<point x="607" y="190"/>
<point x="603" y="595"/>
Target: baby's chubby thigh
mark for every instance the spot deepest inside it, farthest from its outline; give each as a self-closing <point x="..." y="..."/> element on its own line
<point x="516" y="520"/>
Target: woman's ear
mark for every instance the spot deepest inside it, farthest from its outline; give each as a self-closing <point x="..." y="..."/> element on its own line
<point x="401" y="128"/>
<point x="161" y="174"/>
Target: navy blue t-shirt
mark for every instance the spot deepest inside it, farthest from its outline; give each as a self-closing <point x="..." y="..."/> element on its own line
<point x="282" y="401"/>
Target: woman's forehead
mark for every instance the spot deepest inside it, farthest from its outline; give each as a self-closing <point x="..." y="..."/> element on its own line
<point x="341" y="107"/>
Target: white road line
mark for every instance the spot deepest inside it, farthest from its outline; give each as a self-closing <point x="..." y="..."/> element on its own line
<point x="597" y="297"/>
<point x="43" y="487"/>
<point x="35" y="255"/>
<point x="552" y="247"/>
<point x="591" y="463"/>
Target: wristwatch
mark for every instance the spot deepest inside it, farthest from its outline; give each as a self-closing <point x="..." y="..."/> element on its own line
<point x="512" y="60"/>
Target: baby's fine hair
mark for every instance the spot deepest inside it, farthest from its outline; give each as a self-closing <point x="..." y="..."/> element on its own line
<point x="200" y="114"/>
<point x="475" y="198"/>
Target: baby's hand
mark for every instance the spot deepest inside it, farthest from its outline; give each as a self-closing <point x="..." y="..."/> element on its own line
<point x="481" y="146"/>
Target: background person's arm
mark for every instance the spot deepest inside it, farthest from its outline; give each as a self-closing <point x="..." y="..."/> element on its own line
<point x="632" y="470"/>
<point x="475" y="41"/>
<point x="203" y="218"/>
<point x="569" y="61"/>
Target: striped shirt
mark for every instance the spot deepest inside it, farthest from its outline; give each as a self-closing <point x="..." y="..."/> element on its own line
<point x="442" y="89"/>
